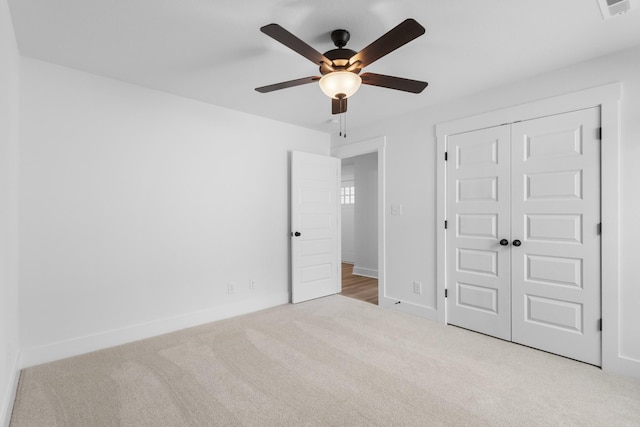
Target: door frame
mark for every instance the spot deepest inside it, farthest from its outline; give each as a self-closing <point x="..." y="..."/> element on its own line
<point x="606" y="97"/>
<point x="374" y="145"/>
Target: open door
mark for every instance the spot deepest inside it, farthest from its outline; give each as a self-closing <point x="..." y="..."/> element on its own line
<point x="315" y="226"/>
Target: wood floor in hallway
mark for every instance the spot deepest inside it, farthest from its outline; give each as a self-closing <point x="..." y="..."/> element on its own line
<point x="358" y="287"/>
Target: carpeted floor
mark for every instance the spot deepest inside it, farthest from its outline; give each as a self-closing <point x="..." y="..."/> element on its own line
<point x="334" y="361"/>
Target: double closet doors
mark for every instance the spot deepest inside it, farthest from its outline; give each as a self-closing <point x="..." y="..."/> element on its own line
<point x="523" y="241"/>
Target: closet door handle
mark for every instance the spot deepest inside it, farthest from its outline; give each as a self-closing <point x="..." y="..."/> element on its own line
<point x="504" y="242"/>
<point x="516" y="242"/>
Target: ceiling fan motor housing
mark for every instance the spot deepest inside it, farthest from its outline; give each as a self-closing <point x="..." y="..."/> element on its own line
<point x="339" y="57"/>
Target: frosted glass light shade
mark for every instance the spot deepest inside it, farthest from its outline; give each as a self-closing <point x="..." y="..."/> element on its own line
<point x="340" y="82"/>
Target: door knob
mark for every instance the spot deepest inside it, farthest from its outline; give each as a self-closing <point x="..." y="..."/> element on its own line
<point x="504" y="242"/>
<point x="297" y="234"/>
<point x="517" y="242"/>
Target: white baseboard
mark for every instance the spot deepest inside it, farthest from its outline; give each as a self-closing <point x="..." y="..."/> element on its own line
<point x="86" y="344"/>
<point x="10" y="394"/>
<point x="366" y="272"/>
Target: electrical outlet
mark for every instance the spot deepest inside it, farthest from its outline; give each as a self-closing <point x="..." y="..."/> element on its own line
<point x="231" y="287"/>
<point x="417" y="288"/>
<point x="252" y="284"/>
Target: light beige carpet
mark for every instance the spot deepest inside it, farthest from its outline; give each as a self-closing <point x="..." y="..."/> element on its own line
<point x="329" y="362"/>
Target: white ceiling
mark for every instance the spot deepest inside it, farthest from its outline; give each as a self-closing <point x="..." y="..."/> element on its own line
<point x="213" y="51"/>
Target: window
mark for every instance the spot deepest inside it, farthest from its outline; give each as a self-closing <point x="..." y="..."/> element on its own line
<point x="348" y="195"/>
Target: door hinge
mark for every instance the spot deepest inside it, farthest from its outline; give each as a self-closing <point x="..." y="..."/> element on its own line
<point x="599" y="228"/>
<point x="445" y="224"/>
<point x="446" y="293"/>
<point x="446" y="157"/>
<point x="599" y="133"/>
<point x="599" y="324"/>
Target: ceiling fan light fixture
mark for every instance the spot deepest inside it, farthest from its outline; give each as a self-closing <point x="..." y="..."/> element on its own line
<point x="340" y="84"/>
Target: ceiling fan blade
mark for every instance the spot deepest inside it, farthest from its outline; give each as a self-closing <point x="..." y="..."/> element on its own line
<point x="290" y="83"/>
<point x="278" y="33"/>
<point x="338" y="106"/>
<point x="392" y="40"/>
<point x="391" y="82"/>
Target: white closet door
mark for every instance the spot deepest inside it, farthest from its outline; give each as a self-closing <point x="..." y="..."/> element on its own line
<point x="478" y="267"/>
<point x="555" y="215"/>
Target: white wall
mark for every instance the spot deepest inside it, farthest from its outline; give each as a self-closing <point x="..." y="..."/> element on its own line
<point x="347" y="170"/>
<point x="411" y="181"/>
<point x="347" y="216"/>
<point x="138" y="208"/>
<point x="348" y="233"/>
<point x="347" y="212"/>
<point x="366" y="215"/>
<point x="9" y="102"/>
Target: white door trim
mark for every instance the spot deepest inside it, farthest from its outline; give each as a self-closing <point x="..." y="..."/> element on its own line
<point x="375" y="145"/>
<point x="607" y="97"/>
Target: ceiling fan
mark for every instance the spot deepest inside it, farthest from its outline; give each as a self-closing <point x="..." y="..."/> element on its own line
<point x="340" y="68"/>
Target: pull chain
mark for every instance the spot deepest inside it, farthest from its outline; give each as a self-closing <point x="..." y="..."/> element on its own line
<point x="342" y="111"/>
<point x="345" y="124"/>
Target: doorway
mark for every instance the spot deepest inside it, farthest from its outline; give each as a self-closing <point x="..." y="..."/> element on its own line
<point x="375" y="147"/>
<point x="359" y="223"/>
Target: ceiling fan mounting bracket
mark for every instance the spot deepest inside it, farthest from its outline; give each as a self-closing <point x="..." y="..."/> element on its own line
<point x="340" y="38"/>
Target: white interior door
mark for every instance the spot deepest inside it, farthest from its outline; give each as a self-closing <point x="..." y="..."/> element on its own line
<point x="523" y="243"/>
<point x="315" y="222"/>
<point x="478" y="267"/>
<point x="555" y="214"/>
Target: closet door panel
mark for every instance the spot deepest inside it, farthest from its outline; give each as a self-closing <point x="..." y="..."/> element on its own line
<point x="555" y="214"/>
<point x="478" y="267"/>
